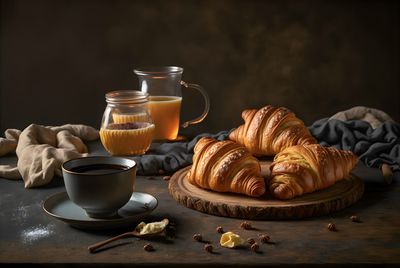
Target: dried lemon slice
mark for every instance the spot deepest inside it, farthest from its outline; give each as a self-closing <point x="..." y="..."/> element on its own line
<point x="152" y="227"/>
<point x="230" y="240"/>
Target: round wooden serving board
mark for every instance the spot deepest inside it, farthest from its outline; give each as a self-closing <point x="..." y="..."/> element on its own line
<point x="340" y="195"/>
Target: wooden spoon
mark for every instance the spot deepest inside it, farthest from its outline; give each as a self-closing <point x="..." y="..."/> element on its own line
<point x="134" y="233"/>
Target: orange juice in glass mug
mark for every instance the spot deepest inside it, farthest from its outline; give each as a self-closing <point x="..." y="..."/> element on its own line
<point x="163" y="84"/>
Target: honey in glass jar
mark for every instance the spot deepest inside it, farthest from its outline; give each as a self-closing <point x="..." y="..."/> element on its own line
<point x="126" y="127"/>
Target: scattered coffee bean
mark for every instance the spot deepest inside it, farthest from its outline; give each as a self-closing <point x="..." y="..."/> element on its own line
<point x="208" y="248"/>
<point x="220" y="230"/>
<point x="148" y="247"/>
<point x="255" y="247"/>
<point x="198" y="237"/>
<point x="332" y="227"/>
<point x="166" y="178"/>
<point x="355" y="218"/>
<point x="264" y="238"/>
<point x="251" y="241"/>
<point x="245" y="225"/>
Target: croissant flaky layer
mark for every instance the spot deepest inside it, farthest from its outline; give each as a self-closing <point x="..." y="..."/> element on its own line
<point x="225" y="166"/>
<point x="269" y="130"/>
<point x="304" y="169"/>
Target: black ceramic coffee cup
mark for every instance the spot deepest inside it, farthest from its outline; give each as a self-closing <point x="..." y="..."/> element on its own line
<point x="99" y="184"/>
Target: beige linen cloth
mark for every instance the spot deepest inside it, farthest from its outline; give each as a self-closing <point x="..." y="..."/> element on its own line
<point x="41" y="150"/>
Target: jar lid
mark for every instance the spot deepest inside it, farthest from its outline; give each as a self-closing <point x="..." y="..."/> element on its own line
<point x="126" y="97"/>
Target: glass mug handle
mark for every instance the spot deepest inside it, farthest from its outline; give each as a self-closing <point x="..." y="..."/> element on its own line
<point x="206" y="107"/>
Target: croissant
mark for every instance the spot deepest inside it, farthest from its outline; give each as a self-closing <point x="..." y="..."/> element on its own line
<point x="225" y="166"/>
<point x="269" y="130"/>
<point x="303" y="169"/>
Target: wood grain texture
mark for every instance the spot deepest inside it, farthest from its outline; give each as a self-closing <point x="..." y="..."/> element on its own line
<point x="340" y="195"/>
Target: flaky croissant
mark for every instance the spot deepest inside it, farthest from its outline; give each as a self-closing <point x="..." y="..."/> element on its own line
<point x="269" y="130"/>
<point x="303" y="169"/>
<point x="224" y="166"/>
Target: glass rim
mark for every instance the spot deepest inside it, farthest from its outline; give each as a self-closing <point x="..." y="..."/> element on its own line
<point x="158" y="70"/>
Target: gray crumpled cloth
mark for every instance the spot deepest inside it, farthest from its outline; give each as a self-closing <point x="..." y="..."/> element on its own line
<point x="41" y="150"/>
<point x="374" y="147"/>
<point x="370" y="133"/>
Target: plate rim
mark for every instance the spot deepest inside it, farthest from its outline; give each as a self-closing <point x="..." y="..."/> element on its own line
<point x="94" y="222"/>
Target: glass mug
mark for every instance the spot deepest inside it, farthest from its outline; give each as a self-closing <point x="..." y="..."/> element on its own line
<point x="163" y="84"/>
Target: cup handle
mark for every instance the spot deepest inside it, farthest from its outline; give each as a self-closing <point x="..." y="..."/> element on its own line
<point x="206" y="106"/>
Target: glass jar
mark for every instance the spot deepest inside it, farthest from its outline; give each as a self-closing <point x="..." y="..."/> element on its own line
<point x="126" y="127"/>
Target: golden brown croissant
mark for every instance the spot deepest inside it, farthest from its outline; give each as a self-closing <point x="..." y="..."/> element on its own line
<point x="304" y="169"/>
<point x="269" y="130"/>
<point x="225" y="166"/>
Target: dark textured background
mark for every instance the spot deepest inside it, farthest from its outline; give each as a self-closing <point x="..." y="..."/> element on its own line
<point x="58" y="58"/>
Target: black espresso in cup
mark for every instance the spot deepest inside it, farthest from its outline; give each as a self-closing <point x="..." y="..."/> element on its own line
<point x="98" y="169"/>
<point x="100" y="185"/>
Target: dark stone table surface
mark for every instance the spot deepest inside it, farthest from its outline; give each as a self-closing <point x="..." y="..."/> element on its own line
<point x="29" y="235"/>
